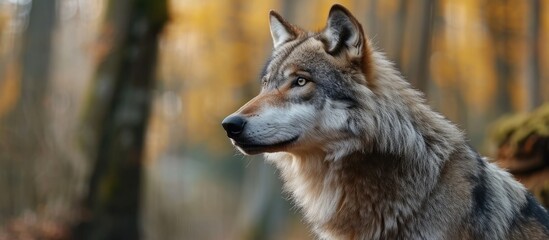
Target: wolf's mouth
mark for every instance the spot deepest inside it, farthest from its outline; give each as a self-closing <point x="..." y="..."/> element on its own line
<point x="253" y="148"/>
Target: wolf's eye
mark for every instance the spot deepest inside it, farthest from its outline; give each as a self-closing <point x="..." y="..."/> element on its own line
<point x="300" y="81"/>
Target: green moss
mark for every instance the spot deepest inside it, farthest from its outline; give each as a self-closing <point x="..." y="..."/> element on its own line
<point x="516" y="128"/>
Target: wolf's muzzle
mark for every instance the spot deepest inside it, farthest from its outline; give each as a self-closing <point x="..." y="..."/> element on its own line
<point x="234" y="125"/>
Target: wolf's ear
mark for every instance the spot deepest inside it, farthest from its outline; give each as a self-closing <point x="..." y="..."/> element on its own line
<point x="281" y="31"/>
<point x="343" y="32"/>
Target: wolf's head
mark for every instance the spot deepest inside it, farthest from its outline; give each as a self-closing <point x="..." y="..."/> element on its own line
<point x="312" y="86"/>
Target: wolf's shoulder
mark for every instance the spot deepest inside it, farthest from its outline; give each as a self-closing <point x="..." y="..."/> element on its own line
<point x="501" y="206"/>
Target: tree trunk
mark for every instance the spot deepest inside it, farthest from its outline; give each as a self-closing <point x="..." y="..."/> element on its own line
<point x="420" y="47"/>
<point x="22" y="131"/>
<point x="533" y="83"/>
<point x="502" y="35"/>
<point x="118" y="111"/>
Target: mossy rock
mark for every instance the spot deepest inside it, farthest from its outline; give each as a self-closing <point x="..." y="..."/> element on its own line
<point x="515" y="129"/>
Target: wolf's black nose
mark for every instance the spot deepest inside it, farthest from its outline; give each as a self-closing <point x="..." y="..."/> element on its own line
<point x="233" y="125"/>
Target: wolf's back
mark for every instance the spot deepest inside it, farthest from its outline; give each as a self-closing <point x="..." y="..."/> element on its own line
<point x="501" y="208"/>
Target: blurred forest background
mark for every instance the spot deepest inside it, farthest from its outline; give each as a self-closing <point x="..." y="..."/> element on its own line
<point x="110" y="110"/>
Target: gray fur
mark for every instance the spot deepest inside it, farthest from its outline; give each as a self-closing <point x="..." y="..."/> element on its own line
<point x="371" y="160"/>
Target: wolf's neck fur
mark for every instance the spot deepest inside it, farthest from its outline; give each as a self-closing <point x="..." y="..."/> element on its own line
<point x="359" y="190"/>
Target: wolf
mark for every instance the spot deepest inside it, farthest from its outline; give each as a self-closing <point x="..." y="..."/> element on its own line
<point x="362" y="154"/>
